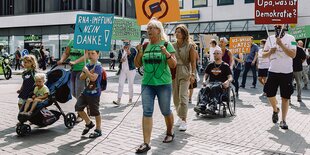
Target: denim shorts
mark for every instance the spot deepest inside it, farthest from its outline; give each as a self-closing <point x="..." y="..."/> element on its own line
<point x="163" y="93"/>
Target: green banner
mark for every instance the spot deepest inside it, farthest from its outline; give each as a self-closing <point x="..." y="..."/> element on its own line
<point x="301" y="32"/>
<point x="125" y="28"/>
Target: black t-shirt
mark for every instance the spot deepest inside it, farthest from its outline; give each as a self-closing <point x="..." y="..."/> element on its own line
<point x="297" y="61"/>
<point x="28" y="84"/>
<point x="218" y="72"/>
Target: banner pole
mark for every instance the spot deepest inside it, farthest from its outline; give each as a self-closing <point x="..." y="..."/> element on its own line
<point x="268" y="35"/>
<point x="282" y="27"/>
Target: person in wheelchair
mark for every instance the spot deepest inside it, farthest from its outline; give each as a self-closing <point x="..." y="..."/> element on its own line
<point x="220" y="77"/>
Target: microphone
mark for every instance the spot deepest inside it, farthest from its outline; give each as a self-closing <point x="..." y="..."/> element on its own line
<point x="142" y="39"/>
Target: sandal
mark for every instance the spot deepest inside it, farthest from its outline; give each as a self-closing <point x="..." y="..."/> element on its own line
<point x="97" y="133"/>
<point x="166" y="140"/>
<point x="143" y="148"/>
<point x="88" y="127"/>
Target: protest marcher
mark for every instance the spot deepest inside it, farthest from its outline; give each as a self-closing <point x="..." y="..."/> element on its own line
<point x="112" y="56"/>
<point x="297" y="69"/>
<point x="77" y="58"/>
<point x="27" y="87"/>
<point x="238" y="66"/>
<point x="90" y="97"/>
<point x="281" y="49"/>
<point x="194" y="85"/>
<point x="157" y="79"/>
<point x="42" y="60"/>
<point x="17" y="58"/>
<point x="213" y="47"/>
<point x="227" y="55"/>
<point x="185" y="73"/>
<point x="250" y="63"/>
<point x="305" y="66"/>
<point x="263" y="65"/>
<point x="127" y="71"/>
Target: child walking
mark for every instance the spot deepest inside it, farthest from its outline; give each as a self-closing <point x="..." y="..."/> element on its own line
<point x="92" y="74"/>
<point x="30" y="65"/>
<point x="40" y="92"/>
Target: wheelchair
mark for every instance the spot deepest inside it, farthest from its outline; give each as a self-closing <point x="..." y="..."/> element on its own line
<point x="214" y="94"/>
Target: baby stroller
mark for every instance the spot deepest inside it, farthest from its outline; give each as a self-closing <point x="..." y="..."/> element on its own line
<point x="214" y="94"/>
<point x="58" y="82"/>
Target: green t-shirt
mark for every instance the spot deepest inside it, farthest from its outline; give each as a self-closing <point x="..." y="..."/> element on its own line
<point x="156" y="68"/>
<point x="74" y="55"/>
<point x="41" y="92"/>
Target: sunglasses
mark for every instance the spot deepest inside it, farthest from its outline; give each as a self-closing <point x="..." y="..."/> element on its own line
<point x="217" y="53"/>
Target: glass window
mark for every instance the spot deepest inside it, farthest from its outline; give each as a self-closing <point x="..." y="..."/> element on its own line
<point x="16" y="41"/>
<point x="225" y="2"/>
<point x="248" y="1"/>
<point x="4" y="47"/>
<point x="181" y="4"/>
<point x="200" y="3"/>
<point x="51" y="45"/>
<point x="34" y="6"/>
<point x="6" y="7"/>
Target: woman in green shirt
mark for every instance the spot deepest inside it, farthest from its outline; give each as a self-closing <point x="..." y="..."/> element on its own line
<point x="77" y="62"/>
<point x="156" y="59"/>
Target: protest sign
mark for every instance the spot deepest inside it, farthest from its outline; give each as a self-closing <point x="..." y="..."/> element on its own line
<point x="93" y="31"/>
<point x="128" y="29"/>
<point x="240" y="44"/>
<point x="276" y="11"/>
<point x="301" y="32"/>
<point x="163" y="10"/>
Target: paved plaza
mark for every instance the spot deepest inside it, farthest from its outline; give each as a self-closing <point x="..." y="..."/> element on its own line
<point x="251" y="131"/>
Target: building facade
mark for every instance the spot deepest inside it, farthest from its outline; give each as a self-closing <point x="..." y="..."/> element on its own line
<point x="227" y="18"/>
<point x="31" y="23"/>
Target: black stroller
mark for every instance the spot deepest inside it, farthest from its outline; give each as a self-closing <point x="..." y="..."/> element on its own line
<point x="58" y="82"/>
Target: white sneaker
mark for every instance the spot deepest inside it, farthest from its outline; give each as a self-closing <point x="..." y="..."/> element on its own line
<point x="178" y="123"/>
<point x="183" y="126"/>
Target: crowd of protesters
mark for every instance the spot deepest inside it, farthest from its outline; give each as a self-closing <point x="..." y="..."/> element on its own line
<point x="170" y="71"/>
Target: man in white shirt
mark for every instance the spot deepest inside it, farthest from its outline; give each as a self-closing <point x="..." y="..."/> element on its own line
<point x="281" y="49"/>
<point x="213" y="47"/>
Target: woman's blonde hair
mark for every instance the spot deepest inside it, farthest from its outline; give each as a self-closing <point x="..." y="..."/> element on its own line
<point x="154" y="22"/>
<point x="185" y="34"/>
<point x="32" y="59"/>
<point x="40" y="76"/>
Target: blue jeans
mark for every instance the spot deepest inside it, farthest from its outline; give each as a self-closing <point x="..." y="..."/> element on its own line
<point x="163" y="93"/>
<point x="248" y="66"/>
<point x="77" y="85"/>
<point x="236" y="79"/>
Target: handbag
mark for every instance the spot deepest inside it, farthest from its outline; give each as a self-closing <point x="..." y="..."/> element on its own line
<point x="194" y="85"/>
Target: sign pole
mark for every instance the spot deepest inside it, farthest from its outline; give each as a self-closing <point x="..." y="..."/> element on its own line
<point x="268" y="35"/>
<point x="282" y="27"/>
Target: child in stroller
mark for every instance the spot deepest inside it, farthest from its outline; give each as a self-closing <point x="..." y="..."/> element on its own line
<point x="40" y="92"/>
<point x="58" y="83"/>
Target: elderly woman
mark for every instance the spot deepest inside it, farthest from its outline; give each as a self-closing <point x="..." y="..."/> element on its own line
<point x="185" y="73"/>
<point x="156" y="58"/>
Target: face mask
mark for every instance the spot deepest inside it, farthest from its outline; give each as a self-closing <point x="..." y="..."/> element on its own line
<point x="261" y="46"/>
<point x="278" y="31"/>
